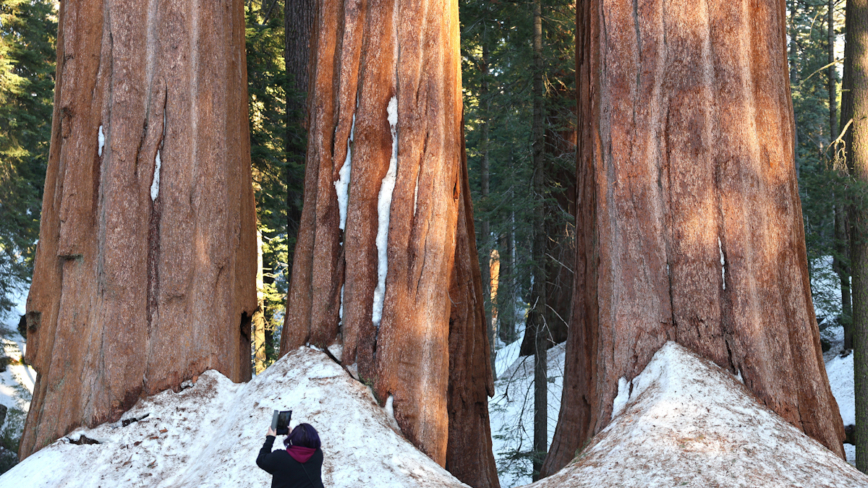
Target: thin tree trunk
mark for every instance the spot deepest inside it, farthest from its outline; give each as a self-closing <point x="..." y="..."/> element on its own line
<point x="381" y="228"/>
<point x="857" y="43"/>
<point x="486" y="225"/>
<point x="258" y="322"/>
<point x="146" y="265"/>
<point x="539" y="295"/>
<point x="841" y="257"/>
<point x="299" y="16"/>
<point x="847" y="108"/>
<point x="506" y="285"/>
<point x="691" y="226"/>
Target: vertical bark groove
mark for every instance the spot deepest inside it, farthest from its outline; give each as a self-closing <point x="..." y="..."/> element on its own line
<point x="407" y="355"/>
<point x="651" y="272"/>
<point x="135" y="294"/>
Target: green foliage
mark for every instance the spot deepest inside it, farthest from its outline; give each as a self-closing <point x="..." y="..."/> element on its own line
<point x="267" y="95"/>
<point x="823" y="184"/>
<point x="27" y="65"/>
<point x="505" y="29"/>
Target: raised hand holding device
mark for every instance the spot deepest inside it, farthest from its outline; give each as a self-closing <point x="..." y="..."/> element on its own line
<point x="280" y="422"/>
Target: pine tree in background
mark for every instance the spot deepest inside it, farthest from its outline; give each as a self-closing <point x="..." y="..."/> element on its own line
<point x="267" y="87"/>
<point x="27" y="64"/>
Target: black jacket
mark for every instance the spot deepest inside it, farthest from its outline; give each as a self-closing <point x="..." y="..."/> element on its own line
<point x="286" y="472"/>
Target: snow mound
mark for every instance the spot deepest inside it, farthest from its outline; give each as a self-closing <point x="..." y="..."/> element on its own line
<point x="210" y="434"/>
<point x="689" y="423"/>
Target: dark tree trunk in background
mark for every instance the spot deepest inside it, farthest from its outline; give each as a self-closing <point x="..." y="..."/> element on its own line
<point x="560" y="214"/>
<point x="373" y="273"/>
<point x="690" y="226"/>
<point x="846" y="125"/>
<point x="506" y="290"/>
<point x="536" y="320"/>
<point x="486" y="225"/>
<point x="842" y="251"/>
<point x="857" y="45"/>
<point x="146" y="265"/>
<point x="298" y="23"/>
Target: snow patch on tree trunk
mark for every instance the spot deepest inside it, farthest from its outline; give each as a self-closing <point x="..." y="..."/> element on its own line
<point x="101" y="140"/>
<point x="722" y="263"/>
<point x="155" y="184"/>
<point x="384" y="205"/>
<point x="622" y="398"/>
<point x="342" y="186"/>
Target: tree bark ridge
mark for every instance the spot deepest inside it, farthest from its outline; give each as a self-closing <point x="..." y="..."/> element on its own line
<point x="689" y="205"/>
<point x="145" y="273"/>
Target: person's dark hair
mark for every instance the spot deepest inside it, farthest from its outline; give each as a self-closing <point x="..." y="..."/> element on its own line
<point x="303" y="435"/>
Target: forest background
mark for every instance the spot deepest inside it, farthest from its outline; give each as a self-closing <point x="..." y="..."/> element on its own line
<point x="505" y="115"/>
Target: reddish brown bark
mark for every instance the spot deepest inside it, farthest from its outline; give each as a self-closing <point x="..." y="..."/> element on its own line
<point x="368" y="55"/>
<point x="686" y="158"/>
<point x="471" y="381"/>
<point x="133" y="295"/>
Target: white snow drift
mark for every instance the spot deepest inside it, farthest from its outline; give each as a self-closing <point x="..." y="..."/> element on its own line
<point x="689" y="423"/>
<point x="210" y="434"/>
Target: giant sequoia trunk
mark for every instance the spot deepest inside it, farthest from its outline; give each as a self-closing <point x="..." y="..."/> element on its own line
<point x="689" y="223"/>
<point x="146" y="265"/>
<point x="383" y="259"/>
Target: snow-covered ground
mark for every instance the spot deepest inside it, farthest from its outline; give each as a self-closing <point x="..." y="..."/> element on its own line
<point x="511" y="411"/>
<point x="210" y="434"/>
<point x="839" y="368"/>
<point x="689" y="423"/>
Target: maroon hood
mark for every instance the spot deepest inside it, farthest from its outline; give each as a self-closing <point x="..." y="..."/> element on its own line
<point x="300" y="454"/>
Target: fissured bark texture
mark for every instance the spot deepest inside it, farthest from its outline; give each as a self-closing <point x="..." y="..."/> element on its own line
<point x="471" y="381"/>
<point x="689" y="222"/>
<point x="141" y="285"/>
<point x="386" y="93"/>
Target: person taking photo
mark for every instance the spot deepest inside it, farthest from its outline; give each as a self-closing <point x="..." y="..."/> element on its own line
<point x="297" y="466"/>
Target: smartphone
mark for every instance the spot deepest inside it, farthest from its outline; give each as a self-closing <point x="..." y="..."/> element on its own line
<point x="280" y="421"/>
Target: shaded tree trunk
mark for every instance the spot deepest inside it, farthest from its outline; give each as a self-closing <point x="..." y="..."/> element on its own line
<point x="690" y="227"/>
<point x="382" y="220"/>
<point x="298" y="21"/>
<point x="841" y="257"/>
<point x="486" y="225"/>
<point x="536" y="321"/>
<point x="857" y="44"/>
<point x="146" y="266"/>
<point x="506" y="289"/>
<point x="847" y="124"/>
<point x="471" y="381"/>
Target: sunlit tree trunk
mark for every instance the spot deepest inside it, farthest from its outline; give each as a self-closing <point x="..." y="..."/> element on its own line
<point x="146" y="266"/>
<point x="258" y="322"/>
<point x="383" y="220"/>
<point x="689" y="222"/>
